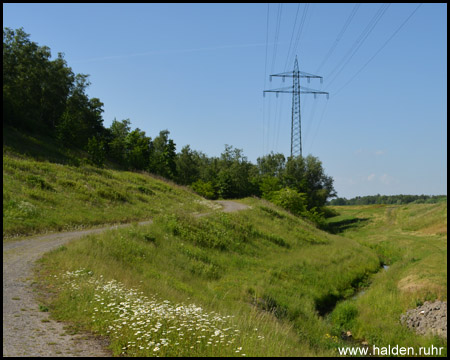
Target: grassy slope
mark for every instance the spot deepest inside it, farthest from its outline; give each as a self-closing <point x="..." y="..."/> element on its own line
<point x="412" y="239"/>
<point x="262" y="265"/>
<point x="270" y="270"/>
<point x="43" y="196"/>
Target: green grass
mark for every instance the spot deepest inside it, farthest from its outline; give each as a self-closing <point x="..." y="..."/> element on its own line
<point x="268" y="269"/>
<point x="412" y="239"/>
<point x="271" y="283"/>
<point x="44" y="196"/>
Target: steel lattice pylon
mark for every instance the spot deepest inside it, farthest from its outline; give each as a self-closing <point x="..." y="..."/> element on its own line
<point x="296" y="90"/>
<point x="296" y="122"/>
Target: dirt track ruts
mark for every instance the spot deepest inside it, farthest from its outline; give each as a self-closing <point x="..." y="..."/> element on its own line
<point x="27" y="331"/>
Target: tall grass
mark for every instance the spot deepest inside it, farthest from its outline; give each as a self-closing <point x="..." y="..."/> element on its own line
<point x="267" y="269"/>
<point x="44" y="196"/>
<point x="413" y="240"/>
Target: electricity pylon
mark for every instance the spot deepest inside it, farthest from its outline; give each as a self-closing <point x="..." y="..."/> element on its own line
<point x="296" y="90"/>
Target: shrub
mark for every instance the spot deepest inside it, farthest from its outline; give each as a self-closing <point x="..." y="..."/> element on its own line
<point x="290" y="200"/>
<point x="205" y="189"/>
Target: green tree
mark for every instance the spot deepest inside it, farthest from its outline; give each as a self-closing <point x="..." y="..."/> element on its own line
<point x="82" y="117"/>
<point x="35" y="89"/>
<point x="188" y="164"/>
<point x="96" y="151"/>
<point x="137" y="150"/>
<point x="163" y="157"/>
<point x="271" y="165"/>
<point x="118" y="131"/>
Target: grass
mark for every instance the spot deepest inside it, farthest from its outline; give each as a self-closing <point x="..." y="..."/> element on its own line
<point x="258" y="282"/>
<point x="413" y="240"/>
<point x="42" y="196"/>
<point x="260" y="268"/>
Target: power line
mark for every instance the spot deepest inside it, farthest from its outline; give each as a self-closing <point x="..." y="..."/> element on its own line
<point x="338" y="38"/>
<point x="355" y="47"/>
<point x="265" y="72"/>
<point x="300" y="29"/>
<point x="277" y="32"/>
<point x="318" y="126"/>
<point x="275" y="45"/>
<point x="290" y="43"/>
<point x="381" y="48"/>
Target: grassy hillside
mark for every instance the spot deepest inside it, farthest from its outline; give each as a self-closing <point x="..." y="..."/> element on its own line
<point x="412" y="240"/>
<point x="258" y="282"/>
<point x="268" y="269"/>
<point x="43" y="196"/>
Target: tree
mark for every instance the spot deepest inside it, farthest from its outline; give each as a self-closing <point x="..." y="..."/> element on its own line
<point x="187" y="166"/>
<point x="271" y="164"/>
<point x="162" y="160"/>
<point x="137" y="150"/>
<point x="82" y="116"/>
<point x="96" y="151"/>
<point x="119" y="131"/>
<point x="35" y="89"/>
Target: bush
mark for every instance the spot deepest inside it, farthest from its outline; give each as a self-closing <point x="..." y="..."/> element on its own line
<point x="290" y="200"/>
<point x="205" y="189"/>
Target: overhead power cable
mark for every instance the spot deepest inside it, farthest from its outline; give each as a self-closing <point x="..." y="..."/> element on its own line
<point x="299" y="33"/>
<point x="265" y="72"/>
<point x="357" y="44"/>
<point x="381" y="48"/>
<point x="292" y="36"/>
<point x="338" y="38"/>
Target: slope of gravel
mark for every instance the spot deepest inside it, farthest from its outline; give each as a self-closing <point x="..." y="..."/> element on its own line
<point x="431" y="317"/>
<point x="27" y="331"/>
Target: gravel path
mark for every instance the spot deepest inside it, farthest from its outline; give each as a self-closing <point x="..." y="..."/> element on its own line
<point x="27" y="331"/>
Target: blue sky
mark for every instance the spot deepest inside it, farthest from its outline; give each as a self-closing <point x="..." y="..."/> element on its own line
<point x="199" y="70"/>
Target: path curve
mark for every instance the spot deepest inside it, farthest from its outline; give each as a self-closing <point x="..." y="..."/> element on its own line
<point x="27" y="331"/>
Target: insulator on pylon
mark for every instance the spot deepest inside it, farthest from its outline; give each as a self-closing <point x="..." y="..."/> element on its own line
<point x="315" y="95"/>
<point x="328" y="96"/>
<point x="284" y="78"/>
<point x="321" y="80"/>
<point x="270" y="78"/>
<point x="264" y="94"/>
<point x="277" y="94"/>
<point x="309" y="80"/>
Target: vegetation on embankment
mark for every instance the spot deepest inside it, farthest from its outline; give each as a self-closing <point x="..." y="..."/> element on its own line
<point x="43" y="196"/>
<point x="412" y="240"/>
<point x="268" y="269"/>
<point x="44" y="98"/>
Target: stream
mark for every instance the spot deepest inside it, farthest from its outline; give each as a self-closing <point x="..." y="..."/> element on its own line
<point x="363" y="290"/>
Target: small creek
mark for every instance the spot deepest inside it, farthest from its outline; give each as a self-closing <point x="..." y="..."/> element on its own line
<point x="363" y="290"/>
<point x="346" y="335"/>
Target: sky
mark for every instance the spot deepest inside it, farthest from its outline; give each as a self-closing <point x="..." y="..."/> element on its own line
<point x="199" y="71"/>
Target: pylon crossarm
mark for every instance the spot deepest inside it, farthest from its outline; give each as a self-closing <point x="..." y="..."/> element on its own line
<point x="298" y="74"/>
<point x="288" y="89"/>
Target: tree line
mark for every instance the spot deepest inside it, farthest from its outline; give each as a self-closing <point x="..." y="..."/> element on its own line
<point x="389" y="200"/>
<point x="44" y="96"/>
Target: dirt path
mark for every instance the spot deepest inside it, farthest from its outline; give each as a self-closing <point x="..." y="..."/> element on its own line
<point x="27" y="331"/>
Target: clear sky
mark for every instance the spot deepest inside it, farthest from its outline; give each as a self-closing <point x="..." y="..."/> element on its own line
<point x="199" y="70"/>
